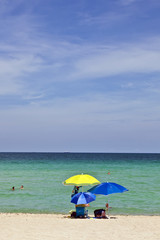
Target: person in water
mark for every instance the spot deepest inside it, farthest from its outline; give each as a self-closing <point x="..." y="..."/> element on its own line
<point x="13" y="188"/>
<point x="22" y="187"/>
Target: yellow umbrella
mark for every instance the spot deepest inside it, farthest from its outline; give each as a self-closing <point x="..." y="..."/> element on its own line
<point x="81" y="180"/>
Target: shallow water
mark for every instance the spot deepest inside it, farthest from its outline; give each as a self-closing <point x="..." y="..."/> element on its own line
<point x="42" y="175"/>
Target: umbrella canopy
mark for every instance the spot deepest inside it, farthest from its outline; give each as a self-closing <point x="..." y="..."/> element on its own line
<point x="83" y="198"/>
<point x="81" y="180"/>
<point x="107" y="188"/>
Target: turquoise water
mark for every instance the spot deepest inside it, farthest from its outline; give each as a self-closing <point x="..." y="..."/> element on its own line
<point x="42" y="175"/>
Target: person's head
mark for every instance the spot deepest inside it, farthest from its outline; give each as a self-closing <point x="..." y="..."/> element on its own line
<point x="107" y="205"/>
<point x="98" y="213"/>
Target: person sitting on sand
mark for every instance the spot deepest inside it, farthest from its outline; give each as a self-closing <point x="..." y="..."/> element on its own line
<point x="100" y="213"/>
<point x="82" y="213"/>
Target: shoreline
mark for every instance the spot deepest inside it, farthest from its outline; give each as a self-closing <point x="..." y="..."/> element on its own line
<point x="61" y="215"/>
<point x="90" y="215"/>
<point x="17" y="226"/>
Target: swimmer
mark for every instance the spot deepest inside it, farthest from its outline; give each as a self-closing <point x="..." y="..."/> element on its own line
<point x="22" y="187"/>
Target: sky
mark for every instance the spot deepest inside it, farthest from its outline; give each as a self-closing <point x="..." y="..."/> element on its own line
<point x="80" y="76"/>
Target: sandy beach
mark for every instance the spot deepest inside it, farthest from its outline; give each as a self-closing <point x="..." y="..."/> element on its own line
<point x="52" y="226"/>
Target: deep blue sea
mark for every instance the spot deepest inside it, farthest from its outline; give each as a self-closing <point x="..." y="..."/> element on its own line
<point x="42" y="175"/>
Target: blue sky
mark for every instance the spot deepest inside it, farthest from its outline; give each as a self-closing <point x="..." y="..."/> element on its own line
<point x="80" y="76"/>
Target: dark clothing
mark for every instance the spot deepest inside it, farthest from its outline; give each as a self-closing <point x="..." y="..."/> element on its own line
<point x="75" y="190"/>
<point x="98" y="213"/>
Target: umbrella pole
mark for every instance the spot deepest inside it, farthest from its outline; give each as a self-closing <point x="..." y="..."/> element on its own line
<point x="109" y="174"/>
<point x="107" y="206"/>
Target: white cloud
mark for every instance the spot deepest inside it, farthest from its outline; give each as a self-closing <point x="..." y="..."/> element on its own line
<point x="105" y="19"/>
<point x="127" y="2"/>
<point x="109" y="62"/>
<point x="43" y="62"/>
<point x="30" y="58"/>
<point x="12" y="71"/>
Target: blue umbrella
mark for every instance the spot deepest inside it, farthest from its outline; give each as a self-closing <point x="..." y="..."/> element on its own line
<point x="83" y="198"/>
<point x="107" y="188"/>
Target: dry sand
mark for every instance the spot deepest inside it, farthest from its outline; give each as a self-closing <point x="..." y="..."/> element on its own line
<point x="51" y="226"/>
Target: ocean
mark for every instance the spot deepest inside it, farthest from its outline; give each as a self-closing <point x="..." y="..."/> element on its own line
<point x="42" y="175"/>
